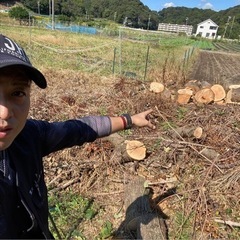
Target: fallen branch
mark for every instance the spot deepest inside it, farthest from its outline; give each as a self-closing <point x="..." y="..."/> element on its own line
<point x="230" y="223"/>
<point x="189" y="144"/>
<point x="67" y="184"/>
<point x="108" y="193"/>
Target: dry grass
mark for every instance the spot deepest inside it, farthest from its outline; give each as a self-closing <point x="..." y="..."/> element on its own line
<point x="203" y="188"/>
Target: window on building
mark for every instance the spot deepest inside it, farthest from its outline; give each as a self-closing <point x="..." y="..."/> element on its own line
<point x="201" y="26"/>
<point x="207" y="34"/>
<point x="213" y="27"/>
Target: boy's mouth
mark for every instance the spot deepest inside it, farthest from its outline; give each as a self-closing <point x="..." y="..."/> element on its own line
<point x="4" y="131"/>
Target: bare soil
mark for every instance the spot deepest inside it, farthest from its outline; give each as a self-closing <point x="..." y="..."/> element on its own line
<point x="217" y="67"/>
<point x="194" y="187"/>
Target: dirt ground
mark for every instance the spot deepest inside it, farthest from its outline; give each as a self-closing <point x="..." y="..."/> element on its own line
<point x="217" y="67"/>
<point x="198" y="179"/>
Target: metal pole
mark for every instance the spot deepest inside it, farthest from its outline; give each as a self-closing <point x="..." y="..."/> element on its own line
<point x="30" y="29"/>
<point x="146" y="64"/>
<point x="114" y="60"/>
<point x="38" y="3"/>
<point x="53" y="25"/>
<point x="120" y="51"/>
<point x="50" y="10"/>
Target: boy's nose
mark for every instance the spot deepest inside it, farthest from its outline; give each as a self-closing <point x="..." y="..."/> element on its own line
<point x="5" y="110"/>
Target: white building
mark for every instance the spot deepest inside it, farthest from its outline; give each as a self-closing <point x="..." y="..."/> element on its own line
<point x="207" y="29"/>
<point x="175" y="28"/>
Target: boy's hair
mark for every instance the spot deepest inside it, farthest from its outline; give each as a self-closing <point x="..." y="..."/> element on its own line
<point x="11" y="54"/>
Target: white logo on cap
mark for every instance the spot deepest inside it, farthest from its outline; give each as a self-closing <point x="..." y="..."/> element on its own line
<point x="16" y="50"/>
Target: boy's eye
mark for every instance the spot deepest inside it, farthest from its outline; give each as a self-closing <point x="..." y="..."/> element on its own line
<point x="19" y="94"/>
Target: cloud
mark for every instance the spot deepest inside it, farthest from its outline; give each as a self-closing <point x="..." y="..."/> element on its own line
<point x="207" y="6"/>
<point x="170" y="4"/>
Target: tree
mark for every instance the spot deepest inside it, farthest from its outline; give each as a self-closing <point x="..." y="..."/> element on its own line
<point x="19" y="13"/>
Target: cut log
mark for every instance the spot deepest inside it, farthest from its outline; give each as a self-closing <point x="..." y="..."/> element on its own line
<point x="210" y="153"/>
<point x="219" y="92"/>
<point x="189" y="132"/>
<point x="135" y="149"/>
<point x="234" y="86"/>
<point x="221" y="102"/>
<point x="198" y="133"/>
<point x="184" y="96"/>
<point x="142" y="220"/>
<point x="166" y="94"/>
<point x="193" y="85"/>
<point x="156" y="87"/>
<point x="228" y="98"/>
<point x="185" y="91"/>
<point x="183" y="99"/>
<point x="205" y="96"/>
<point x="235" y="95"/>
<point x="205" y="84"/>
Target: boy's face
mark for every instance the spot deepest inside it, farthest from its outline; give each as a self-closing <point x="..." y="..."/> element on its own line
<point x="14" y="104"/>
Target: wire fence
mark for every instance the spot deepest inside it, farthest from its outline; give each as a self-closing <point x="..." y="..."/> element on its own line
<point x="132" y="53"/>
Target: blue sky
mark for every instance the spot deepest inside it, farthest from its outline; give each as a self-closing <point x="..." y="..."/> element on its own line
<point x="215" y="5"/>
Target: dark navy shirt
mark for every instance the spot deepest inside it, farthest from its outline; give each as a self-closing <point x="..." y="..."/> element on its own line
<point x="23" y="193"/>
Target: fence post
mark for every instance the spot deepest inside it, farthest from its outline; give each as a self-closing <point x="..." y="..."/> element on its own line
<point x="114" y="60"/>
<point x="120" y="51"/>
<point x="146" y="64"/>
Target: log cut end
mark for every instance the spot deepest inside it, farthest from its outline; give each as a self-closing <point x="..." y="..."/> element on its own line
<point x="219" y="92"/>
<point x="205" y="95"/>
<point x="156" y="87"/>
<point x="135" y="149"/>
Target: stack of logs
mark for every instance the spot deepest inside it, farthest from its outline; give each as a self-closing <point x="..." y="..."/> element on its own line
<point x="193" y="91"/>
<point x="202" y="92"/>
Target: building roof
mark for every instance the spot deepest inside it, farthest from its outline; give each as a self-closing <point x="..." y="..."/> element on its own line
<point x="208" y="21"/>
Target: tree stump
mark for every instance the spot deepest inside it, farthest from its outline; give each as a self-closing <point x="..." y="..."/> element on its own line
<point x="141" y="221"/>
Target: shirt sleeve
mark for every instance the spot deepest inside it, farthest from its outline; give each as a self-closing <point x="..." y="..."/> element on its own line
<point x="54" y="136"/>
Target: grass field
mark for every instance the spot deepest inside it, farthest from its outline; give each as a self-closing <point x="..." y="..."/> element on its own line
<point x="147" y="55"/>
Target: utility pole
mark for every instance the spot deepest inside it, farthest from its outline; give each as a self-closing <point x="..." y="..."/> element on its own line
<point x="230" y="33"/>
<point x="149" y="19"/>
<point x="50" y="10"/>
<point x="115" y="16"/>
<point x="229" y="17"/>
<point x="38" y="3"/>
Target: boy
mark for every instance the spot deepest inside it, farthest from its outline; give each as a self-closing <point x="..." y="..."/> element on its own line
<point x="24" y="142"/>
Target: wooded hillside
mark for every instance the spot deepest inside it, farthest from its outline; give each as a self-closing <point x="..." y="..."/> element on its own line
<point x="135" y="14"/>
<point x="193" y="16"/>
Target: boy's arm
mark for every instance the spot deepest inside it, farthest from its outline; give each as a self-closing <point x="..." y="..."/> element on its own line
<point x="138" y="120"/>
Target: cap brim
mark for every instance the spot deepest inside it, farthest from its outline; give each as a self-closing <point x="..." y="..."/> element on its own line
<point x="34" y="74"/>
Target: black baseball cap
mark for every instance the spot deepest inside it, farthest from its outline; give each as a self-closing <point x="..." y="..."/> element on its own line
<point x="11" y="54"/>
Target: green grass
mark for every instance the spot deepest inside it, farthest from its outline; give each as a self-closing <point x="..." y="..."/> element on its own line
<point x="95" y="53"/>
<point x="204" y="44"/>
<point x="68" y="211"/>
